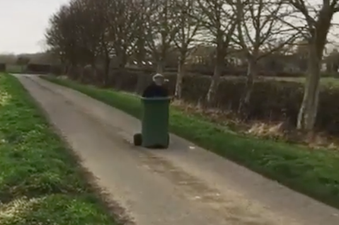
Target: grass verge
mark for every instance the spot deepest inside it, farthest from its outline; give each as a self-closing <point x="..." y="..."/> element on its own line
<point x="312" y="172"/>
<point x="40" y="180"/>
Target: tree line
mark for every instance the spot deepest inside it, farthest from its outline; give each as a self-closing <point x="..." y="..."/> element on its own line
<point x="84" y="32"/>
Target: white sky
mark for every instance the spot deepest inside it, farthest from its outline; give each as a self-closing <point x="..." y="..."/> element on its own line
<point x="23" y="24"/>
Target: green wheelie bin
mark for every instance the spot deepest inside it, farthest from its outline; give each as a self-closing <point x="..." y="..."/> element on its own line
<point x="155" y="123"/>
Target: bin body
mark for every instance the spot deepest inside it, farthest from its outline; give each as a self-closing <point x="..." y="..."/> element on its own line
<point x="155" y="122"/>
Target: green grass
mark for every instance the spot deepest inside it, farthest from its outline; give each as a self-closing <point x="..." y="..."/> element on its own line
<point x="40" y="180"/>
<point x="313" y="172"/>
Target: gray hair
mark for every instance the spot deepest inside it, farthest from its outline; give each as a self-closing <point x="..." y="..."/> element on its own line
<point x="156" y="76"/>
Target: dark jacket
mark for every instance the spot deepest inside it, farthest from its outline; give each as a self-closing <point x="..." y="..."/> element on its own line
<point x="154" y="91"/>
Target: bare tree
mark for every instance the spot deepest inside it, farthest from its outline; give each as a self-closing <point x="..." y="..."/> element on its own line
<point x="160" y="30"/>
<point x="317" y="17"/>
<point x="185" y="37"/>
<point x="100" y="14"/>
<point x="90" y="29"/>
<point x="79" y="33"/>
<point x="66" y="32"/>
<point x="218" y="18"/>
<point x="61" y="36"/>
<point x="122" y="19"/>
<point x="143" y="15"/>
<point x="260" y="33"/>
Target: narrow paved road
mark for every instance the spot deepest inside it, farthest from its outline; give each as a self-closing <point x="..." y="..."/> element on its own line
<point x="184" y="185"/>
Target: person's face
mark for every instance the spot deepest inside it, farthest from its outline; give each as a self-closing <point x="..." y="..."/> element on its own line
<point x="159" y="81"/>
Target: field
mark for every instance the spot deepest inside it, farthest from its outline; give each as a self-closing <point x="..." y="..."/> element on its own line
<point x="314" y="173"/>
<point x="40" y="180"/>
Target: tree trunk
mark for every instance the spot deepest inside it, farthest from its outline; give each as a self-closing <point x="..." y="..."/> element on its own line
<point x="309" y="107"/>
<point x="212" y="91"/>
<point x="180" y="75"/>
<point x="94" y="75"/>
<point x="122" y="61"/>
<point x="160" y="66"/>
<point x="245" y="100"/>
<point x="141" y="56"/>
<point x="106" y="69"/>
<point x="82" y="71"/>
<point x="218" y="67"/>
<point x="65" y="69"/>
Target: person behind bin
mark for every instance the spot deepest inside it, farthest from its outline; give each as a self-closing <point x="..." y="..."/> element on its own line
<point x="156" y="89"/>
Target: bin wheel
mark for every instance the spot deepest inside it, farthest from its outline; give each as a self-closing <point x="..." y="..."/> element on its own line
<point x="168" y="141"/>
<point x="137" y="139"/>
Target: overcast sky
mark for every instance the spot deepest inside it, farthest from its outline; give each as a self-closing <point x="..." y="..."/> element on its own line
<point x="23" y="23"/>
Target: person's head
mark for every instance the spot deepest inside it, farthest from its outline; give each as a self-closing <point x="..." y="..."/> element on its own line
<point x="158" y="79"/>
